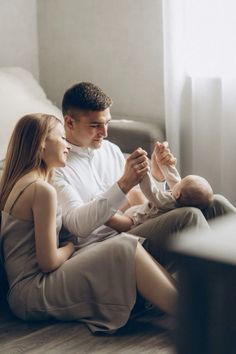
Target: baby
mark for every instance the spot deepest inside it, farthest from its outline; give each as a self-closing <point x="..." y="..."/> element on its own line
<point x="191" y="190"/>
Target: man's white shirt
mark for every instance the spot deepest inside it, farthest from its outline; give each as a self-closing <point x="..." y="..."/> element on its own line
<point x="88" y="193"/>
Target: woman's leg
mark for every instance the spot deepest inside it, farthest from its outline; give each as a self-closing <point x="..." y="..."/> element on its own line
<point x="154" y="283"/>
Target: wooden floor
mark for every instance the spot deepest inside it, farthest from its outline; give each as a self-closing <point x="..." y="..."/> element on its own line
<point x="149" y="333"/>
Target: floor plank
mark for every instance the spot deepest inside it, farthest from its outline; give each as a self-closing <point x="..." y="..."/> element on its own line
<point x="149" y="333"/>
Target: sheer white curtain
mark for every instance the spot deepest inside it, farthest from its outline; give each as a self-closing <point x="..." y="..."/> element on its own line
<point x="200" y="88"/>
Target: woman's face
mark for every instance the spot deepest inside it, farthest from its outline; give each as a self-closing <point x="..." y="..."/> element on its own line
<point x="56" y="147"/>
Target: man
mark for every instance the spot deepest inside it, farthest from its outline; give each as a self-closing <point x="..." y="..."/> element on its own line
<point x="98" y="183"/>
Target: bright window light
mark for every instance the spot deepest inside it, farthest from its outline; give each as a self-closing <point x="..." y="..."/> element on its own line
<point x="210" y="37"/>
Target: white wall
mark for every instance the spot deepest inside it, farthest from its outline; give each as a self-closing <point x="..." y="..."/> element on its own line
<point x="18" y="34"/>
<point x="116" y="44"/>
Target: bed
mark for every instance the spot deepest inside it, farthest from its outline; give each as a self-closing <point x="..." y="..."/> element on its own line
<point x="20" y="93"/>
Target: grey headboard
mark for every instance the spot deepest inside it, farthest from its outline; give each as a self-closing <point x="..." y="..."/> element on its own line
<point x="130" y="134"/>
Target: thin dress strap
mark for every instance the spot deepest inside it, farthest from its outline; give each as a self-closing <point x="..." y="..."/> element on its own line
<point x="21" y="192"/>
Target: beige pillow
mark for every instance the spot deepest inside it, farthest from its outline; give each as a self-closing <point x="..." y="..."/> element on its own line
<point x="20" y="94"/>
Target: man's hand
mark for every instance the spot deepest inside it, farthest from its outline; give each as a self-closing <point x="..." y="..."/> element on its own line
<point x="161" y="156"/>
<point x="135" y="168"/>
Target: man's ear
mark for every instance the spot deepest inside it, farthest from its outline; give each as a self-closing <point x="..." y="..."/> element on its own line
<point x="68" y="121"/>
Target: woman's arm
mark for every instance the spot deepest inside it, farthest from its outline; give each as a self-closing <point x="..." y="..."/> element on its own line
<point x="134" y="197"/>
<point x="49" y="256"/>
<point x="120" y="223"/>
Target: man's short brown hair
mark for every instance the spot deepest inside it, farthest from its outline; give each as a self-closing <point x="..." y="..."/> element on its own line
<point x="85" y="96"/>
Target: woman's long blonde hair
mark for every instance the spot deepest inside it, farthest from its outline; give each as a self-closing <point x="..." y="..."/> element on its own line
<point x="25" y="150"/>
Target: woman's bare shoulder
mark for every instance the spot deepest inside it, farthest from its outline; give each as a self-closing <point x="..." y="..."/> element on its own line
<point x="44" y="185"/>
<point x="44" y="190"/>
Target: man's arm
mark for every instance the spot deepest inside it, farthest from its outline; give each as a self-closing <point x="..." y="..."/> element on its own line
<point x="80" y="218"/>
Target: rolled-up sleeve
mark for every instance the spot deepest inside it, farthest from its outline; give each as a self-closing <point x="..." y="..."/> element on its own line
<point x="80" y="218"/>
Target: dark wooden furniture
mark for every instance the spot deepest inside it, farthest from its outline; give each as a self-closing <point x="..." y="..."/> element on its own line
<point x="207" y="281"/>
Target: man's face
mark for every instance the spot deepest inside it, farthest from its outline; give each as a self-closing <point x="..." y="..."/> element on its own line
<point x="87" y="129"/>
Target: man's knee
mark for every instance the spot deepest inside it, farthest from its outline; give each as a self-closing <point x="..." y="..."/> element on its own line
<point x="191" y="217"/>
<point x="221" y="202"/>
<point x="173" y="223"/>
<point x="220" y="206"/>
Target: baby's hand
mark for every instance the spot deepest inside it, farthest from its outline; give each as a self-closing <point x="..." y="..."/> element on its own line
<point x="163" y="154"/>
<point x="155" y="168"/>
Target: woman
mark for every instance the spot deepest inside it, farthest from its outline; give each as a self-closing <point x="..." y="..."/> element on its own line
<point x="97" y="284"/>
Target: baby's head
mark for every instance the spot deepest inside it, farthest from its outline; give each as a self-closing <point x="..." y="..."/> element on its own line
<point x="194" y="191"/>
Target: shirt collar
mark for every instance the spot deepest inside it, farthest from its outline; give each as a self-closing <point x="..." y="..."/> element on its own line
<point x="82" y="151"/>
